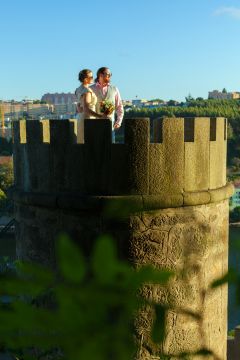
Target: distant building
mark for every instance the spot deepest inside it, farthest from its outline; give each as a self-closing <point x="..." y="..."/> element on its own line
<point x="6" y="133"/>
<point x="59" y="98"/>
<point x="139" y="102"/>
<point x="215" y="94"/>
<point x="16" y="110"/>
<point x="154" y="104"/>
<point x="127" y="102"/>
<point x="5" y="159"/>
<point x="36" y="110"/>
<point x="12" y="109"/>
<point x="235" y="95"/>
<point x="62" y="110"/>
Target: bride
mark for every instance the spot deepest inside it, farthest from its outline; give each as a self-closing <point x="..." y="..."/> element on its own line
<point x="86" y="102"/>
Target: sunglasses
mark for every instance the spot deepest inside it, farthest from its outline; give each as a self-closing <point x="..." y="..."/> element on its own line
<point x="107" y="74"/>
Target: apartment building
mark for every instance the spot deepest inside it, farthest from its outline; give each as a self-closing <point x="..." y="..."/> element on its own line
<point x="59" y="98"/>
<point x="215" y="94"/>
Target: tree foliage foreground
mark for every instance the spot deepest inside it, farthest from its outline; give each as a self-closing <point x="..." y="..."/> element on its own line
<point x="85" y="310"/>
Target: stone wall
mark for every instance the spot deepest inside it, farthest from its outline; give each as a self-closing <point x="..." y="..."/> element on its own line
<point x="176" y="193"/>
<point x="193" y="239"/>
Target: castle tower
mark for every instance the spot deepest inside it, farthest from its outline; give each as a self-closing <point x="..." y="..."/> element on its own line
<point x="177" y="192"/>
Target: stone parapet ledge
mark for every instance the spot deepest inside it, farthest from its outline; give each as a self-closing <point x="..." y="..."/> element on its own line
<point x="135" y="202"/>
<point x="182" y="154"/>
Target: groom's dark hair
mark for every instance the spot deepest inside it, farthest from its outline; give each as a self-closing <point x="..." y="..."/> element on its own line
<point x="100" y="71"/>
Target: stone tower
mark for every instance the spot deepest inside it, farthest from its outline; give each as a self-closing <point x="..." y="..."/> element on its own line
<point x="177" y="192"/>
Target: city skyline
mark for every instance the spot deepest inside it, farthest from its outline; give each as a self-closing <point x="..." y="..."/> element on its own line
<point x="155" y="49"/>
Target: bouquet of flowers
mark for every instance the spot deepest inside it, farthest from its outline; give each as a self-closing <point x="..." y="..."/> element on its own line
<point x="107" y="107"/>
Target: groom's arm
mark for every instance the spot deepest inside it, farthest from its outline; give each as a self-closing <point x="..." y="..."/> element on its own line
<point x="119" y="109"/>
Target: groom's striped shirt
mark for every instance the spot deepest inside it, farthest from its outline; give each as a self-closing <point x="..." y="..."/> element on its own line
<point x="118" y="101"/>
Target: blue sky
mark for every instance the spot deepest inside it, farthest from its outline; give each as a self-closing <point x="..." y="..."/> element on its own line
<point x="155" y="48"/>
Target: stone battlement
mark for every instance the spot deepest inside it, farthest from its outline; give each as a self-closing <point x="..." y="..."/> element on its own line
<point x="188" y="156"/>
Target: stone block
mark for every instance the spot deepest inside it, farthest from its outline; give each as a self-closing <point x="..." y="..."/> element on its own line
<point x="196" y="160"/>
<point x="166" y="160"/>
<point x="75" y="179"/>
<point x="196" y="198"/>
<point x="218" y="151"/>
<point x="137" y="138"/>
<point x="118" y="160"/>
<point x="23" y="134"/>
<point x="153" y="202"/>
<point x="45" y="131"/>
<point x="97" y="155"/>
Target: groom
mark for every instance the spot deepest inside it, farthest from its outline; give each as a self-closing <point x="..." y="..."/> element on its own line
<point x="105" y="91"/>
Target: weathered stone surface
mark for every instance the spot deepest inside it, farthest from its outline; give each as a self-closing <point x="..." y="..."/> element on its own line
<point x="196" y="160"/>
<point x="194" y="239"/>
<point x="166" y="160"/>
<point x="218" y="151"/>
<point x="190" y="238"/>
<point x="137" y="138"/>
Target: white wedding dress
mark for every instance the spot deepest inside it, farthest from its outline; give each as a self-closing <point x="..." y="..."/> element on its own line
<point x="80" y="91"/>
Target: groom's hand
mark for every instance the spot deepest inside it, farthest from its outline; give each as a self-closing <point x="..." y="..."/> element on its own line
<point x="116" y="126"/>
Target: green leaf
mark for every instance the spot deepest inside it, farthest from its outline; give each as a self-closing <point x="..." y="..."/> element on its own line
<point x="120" y="208"/>
<point x="20" y="287"/>
<point x="70" y="259"/>
<point x="148" y="274"/>
<point x="104" y="261"/>
<point x="231" y="333"/>
<point x="204" y="352"/>
<point x="158" y="330"/>
<point x="35" y="272"/>
<point x="229" y="277"/>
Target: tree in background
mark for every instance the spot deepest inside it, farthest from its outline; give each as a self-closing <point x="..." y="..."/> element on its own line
<point x="6" y="180"/>
<point x="235" y="214"/>
<point x="189" y="98"/>
<point x="172" y="103"/>
<point x="6" y="176"/>
<point x="229" y="109"/>
<point x="3" y="199"/>
<point x="5" y="146"/>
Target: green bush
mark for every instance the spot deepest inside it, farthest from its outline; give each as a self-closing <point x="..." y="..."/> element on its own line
<point x="6" y="146"/>
<point x="3" y="199"/>
<point x="235" y="214"/>
<point x="6" y="175"/>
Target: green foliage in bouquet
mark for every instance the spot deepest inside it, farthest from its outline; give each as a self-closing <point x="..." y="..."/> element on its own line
<point x="107" y="107"/>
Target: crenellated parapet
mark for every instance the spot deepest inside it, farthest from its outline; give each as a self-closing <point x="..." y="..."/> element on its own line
<point x="184" y="165"/>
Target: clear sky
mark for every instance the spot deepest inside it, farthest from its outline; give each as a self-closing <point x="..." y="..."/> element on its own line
<point x="155" y="48"/>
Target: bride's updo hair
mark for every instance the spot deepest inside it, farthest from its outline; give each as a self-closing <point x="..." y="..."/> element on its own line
<point x="83" y="74"/>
